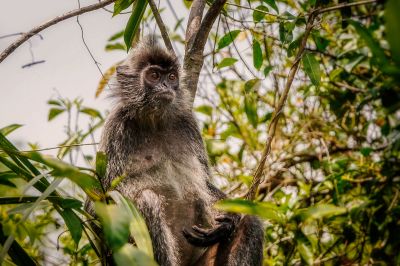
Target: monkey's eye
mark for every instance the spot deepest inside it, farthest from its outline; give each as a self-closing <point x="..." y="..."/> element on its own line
<point x="154" y="75"/>
<point x="172" y="76"/>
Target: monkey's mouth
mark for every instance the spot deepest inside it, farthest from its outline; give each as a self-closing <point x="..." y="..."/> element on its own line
<point x="166" y="95"/>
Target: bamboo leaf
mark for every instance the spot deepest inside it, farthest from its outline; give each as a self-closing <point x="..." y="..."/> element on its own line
<point x="121" y="5"/>
<point x="8" y="129"/>
<point x="115" y="224"/>
<point x="264" y="210"/>
<point x="132" y="27"/>
<point x="128" y="255"/>
<point x="138" y="227"/>
<point x="74" y="224"/>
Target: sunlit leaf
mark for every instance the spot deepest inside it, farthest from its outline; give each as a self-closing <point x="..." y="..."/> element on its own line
<point x="264" y="210"/>
<point x="138" y="227"/>
<point x="226" y="62"/>
<point x="101" y="164"/>
<point x="128" y="255"/>
<point x="204" y="109"/>
<point x="91" y="112"/>
<point x="115" y="46"/>
<point x="320" y="211"/>
<point x="8" y="129"/>
<point x="116" y="36"/>
<point x="115" y="223"/>
<point x="311" y="67"/>
<point x="105" y="78"/>
<point x="227" y="39"/>
<point x="305" y="251"/>
<point x="54" y="112"/>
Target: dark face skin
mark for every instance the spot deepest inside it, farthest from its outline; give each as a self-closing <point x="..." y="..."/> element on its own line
<point x="161" y="83"/>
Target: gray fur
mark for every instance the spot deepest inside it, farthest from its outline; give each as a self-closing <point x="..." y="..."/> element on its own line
<point x="157" y="145"/>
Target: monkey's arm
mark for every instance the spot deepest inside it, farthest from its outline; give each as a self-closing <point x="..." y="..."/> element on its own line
<point x="225" y="225"/>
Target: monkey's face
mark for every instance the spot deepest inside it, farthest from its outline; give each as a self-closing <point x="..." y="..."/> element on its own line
<point x="161" y="84"/>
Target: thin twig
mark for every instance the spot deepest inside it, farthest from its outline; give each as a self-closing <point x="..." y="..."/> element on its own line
<point x="279" y="109"/>
<point x="344" y="5"/>
<point x="61" y="146"/>
<point x="26" y="36"/>
<point x="161" y="26"/>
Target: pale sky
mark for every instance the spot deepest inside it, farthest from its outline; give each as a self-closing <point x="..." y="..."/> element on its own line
<point x="68" y="68"/>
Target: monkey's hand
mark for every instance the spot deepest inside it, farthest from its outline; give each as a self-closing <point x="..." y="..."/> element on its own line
<point x="202" y="237"/>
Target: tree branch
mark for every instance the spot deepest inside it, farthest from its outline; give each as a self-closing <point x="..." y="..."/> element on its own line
<point x="194" y="21"/>
<point x="279" y="109"/>
<point x="194" y="59"/>
<point x="26" y="36"/>
<point x="161" y="26"/>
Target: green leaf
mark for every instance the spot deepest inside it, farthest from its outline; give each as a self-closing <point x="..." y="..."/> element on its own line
<point x="88" y="183"/>
<point x="116" y="36"/>
<point x="251" y="85"/>
<point x="128" y="255"/>
<point x="227" y="39"/>
<point x="115" y="224"/>
<point x="67" y="145"/>
<point x="91" y="112"/>
<point x="264" y="210"/>
<point x="272" y="4"/>
<point x="393" y="28"/>
<point x="132" y="27"/>
<point x="267" y="69"/>
<point x="115" y="46"/>
<point x="101" y="164"/>
<point x="377" y="52"/>
<point x="320" y="211"/>
<point x="138" y="227"/>
<point x="216" y="147"/>
<point x="8" y="129"/>
<point x="257" y="15"/>
<point x="227" y="61"/>
<point x="204" y="109"/>
<point x="250" y="108"/>
<point x="73" y="223"/>
<point x="366" y="151"/>
<point x="305" y="251"/>
<point x="121" y="5"/>
<point x="257" y="55"/>
<point x="54" y="112"/>
<point x="311" y="67"/>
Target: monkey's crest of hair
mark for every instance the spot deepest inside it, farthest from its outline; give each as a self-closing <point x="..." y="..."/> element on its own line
<point x="131" y="95"/>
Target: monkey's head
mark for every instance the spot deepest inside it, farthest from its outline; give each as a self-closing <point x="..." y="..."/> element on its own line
<point x="148" y="83"/>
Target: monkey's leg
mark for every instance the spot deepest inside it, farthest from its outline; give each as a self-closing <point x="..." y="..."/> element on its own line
<point x="243" y="248"/>
<point x="164" y="244"/>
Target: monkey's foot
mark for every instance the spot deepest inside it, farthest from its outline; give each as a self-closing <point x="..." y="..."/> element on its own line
<point x="204" y="237"/>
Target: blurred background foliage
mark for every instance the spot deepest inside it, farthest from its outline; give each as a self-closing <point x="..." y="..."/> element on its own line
<point x="330" y="189"/>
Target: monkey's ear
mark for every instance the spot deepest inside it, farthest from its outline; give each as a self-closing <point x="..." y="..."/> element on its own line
<point x="122" y="69"/>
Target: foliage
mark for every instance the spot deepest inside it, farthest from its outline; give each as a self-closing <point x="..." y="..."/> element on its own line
<point x="330" y="188"/>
